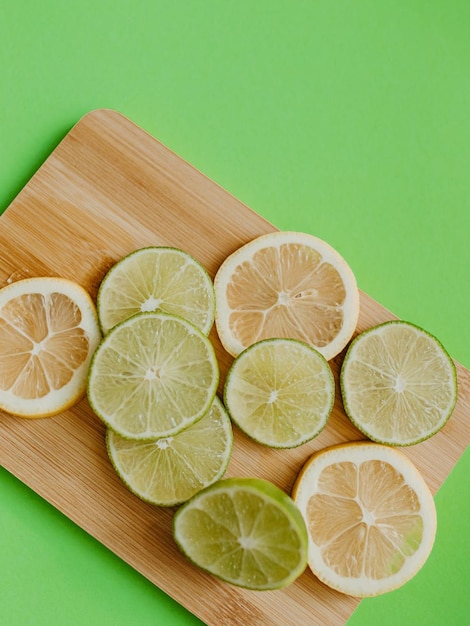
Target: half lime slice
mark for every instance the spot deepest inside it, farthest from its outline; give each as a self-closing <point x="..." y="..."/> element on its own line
<point x="245" y="531"/>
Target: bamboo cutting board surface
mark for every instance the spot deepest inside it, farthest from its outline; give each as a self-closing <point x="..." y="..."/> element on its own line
<point x="107" y="189"/>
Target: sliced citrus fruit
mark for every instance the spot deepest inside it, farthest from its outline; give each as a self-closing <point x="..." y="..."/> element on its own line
<point x="246" y="531"/>
<point x="398" y="383"/>
<point x="171" y="470"/>
<point x="157" y="277"/>
<point x="280" y="392"/>
<point x="286" y="284"/>
<point x="370" y="515"/>
<point x="152" y="375"/>
<point x="48" y="332"/>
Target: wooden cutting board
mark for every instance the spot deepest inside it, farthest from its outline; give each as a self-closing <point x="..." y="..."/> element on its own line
<point x="107" y="189"/>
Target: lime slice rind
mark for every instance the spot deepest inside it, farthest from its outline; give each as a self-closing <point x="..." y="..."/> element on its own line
<point x="152" y="375"/>
<point x="398" y="383"/>
<point x="245" y="531"/>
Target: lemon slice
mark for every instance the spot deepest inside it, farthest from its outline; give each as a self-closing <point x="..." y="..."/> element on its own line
<point x="163" y="278"/>
<point x="48" y="332"/>
<point x="245" y="531"/>
<point x="280" y="392"/>
<point x="171" y="470"/>
<point x="286" y="284"/>
<point x="371" y="517"/>
<point x="152" y="375"/>
<point x="398" y="383"/>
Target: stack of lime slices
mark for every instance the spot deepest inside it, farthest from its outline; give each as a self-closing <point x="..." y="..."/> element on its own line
<point x="153" y="378"/>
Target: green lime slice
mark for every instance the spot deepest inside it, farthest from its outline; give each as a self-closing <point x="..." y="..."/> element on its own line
<point x="152" y="375"/>
<point x="398" y="383"/>
<point x="245" y="531"/>
<point x="157" y="277"/>
<point x="280" y="392"/>
<point x="171" y="470"/>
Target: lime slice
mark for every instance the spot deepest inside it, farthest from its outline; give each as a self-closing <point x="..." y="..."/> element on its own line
<point x="398" y="383"/>
<point x="171" y="470"/>
<point x="163" y="278"/>
<point x="370" y="515"/>
<point x="246" y="531"/>
<point x="152" y="376"/>
<point x="280" y="392"/>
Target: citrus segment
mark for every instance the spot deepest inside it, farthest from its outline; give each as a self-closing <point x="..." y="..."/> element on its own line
<point x="286" y="284"/>
<point x="152" y="375"/>
<point x="246" y="531"/>
<point x="399" y="385"/>
<point x="157" y="277"/>
<point x="280" y="392"/>
<point x="48" y="332"/>
<point x="370" y="515"/>
<point x="171" y="470"/>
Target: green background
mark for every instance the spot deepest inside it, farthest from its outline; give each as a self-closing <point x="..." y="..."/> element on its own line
<point x="346" y="119"/>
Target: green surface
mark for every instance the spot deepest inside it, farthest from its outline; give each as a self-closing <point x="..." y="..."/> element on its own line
<point x="346" y="119"/>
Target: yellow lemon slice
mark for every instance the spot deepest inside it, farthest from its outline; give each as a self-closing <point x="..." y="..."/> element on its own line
<point x="48" y="333"/>
<point x="286" y="285"/>
<point x="370" y="516"/>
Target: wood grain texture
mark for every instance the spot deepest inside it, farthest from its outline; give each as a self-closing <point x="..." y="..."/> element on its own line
<point x="107" y="189"/>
